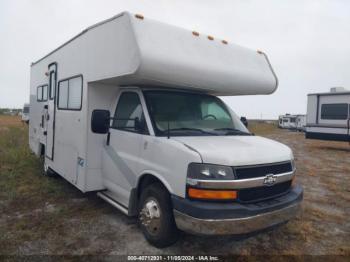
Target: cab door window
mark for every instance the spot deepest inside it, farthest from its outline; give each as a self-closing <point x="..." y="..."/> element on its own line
<point x="129" y="114"/>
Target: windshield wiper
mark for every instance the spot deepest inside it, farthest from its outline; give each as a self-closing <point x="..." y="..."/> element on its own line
<point x="190" y="129"/>
<point x="232" y="131"/>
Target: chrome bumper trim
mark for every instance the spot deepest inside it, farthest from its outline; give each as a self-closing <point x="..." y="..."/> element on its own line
<point x="239" y="183"/>
<point x="234" y="226"/>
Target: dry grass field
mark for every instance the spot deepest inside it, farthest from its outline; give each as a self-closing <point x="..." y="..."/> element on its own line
<point x="40" y="215"/>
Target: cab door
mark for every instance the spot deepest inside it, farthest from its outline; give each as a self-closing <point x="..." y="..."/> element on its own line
<point x="50" y="114"/>
<point x="121" y="160"/>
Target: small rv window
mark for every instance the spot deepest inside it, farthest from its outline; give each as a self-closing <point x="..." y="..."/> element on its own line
<point x="45" y="93"/>
<point x="74" y="95"/>
<point x="39" y="94"/>
<point x="70" y="93"/>
<point x="52" y="84"/>
<point x="334" y="111"/>
<point x="63" y="94"/>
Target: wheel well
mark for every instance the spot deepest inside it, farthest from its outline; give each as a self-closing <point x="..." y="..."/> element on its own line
<point x="144" y="181"/>
<point x="147" y="180"/>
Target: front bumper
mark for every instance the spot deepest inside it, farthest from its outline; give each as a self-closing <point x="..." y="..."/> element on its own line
<point x="234" y="218"/>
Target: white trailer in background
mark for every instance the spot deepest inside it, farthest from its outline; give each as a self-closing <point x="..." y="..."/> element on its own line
<point x="300" y="123"/>
<point x="173" y="153"/>
<point x="25" y="113"/>
<point x="328" y="115"/>
<point x="287" y="121"/>
<point x="294" y="122"/>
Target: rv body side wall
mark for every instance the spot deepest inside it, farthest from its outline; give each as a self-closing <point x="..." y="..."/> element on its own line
<point x="100" y="96"/>
<point x="100" y="53"/>
<point x="327" y="129"/>
<point x="311" y="117"/>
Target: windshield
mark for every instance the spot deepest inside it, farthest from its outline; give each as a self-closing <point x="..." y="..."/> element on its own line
<point x="177" y="113"/>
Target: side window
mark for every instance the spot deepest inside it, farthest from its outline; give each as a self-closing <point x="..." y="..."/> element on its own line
<point x="39" y="94"/>
<point x="45" y="93"/>
<point x="63" y="94"/>
<point x="52" y="84"/>
<point x="129" y="109"/>
<point x="334" y="111"/>
<point x="70" y="93"/>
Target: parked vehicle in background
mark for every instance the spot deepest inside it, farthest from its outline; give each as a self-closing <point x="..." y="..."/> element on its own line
<point x="328" y="115"/>
<point x="129" y="108"/>
<point x="25" y="113"/>
<point x="244" y="121"/>
<point x="301" y="123"/>
<point x="287" y="121"/>
<point x="293" y="122"/>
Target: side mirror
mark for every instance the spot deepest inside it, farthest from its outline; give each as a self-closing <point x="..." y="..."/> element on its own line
<point x="244" y="121"/>
<point x="100" y="121"/>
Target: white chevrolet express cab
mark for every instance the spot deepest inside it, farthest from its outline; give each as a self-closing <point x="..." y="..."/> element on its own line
<point x="129" y="108"/>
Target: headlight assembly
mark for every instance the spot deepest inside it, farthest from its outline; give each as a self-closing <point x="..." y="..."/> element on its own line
<point x="209" y="172"/>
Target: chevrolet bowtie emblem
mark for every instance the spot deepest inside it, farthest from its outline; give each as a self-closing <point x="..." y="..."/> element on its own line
<point x="270" y="180"/>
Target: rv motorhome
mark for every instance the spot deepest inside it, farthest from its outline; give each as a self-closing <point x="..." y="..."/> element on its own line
<point x="25" y="113"/>
<point x="129" y="108"/>
<point x="328" y="115"/>
<point x="295" y="122"/>
<point x="287" y="121"/>
<point x="300" y="123"/>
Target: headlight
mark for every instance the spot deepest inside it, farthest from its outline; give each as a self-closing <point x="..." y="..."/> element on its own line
<point x="209" y="172"/>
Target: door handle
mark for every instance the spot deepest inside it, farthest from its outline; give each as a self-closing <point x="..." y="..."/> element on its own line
<point x="108" y="138"/>
<point x="45" y="133"/>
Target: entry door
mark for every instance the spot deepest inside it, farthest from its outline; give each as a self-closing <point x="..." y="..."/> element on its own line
<point x="51" y="111"/>
<point x="123" y="151"/>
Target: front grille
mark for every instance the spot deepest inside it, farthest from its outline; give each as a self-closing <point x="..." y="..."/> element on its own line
<point x="262" y="170"/>
<point x="262" y="193"/>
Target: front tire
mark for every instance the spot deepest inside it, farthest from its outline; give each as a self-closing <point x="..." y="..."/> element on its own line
<point x="156" y="216"/>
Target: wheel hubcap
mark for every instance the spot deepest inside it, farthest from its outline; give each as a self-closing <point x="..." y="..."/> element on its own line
<point x="150" y="216"/>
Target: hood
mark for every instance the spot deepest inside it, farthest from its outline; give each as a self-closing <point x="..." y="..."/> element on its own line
<point x="237" y="150"/>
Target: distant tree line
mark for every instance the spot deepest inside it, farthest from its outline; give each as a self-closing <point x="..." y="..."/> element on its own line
<point x="10" y="111"/>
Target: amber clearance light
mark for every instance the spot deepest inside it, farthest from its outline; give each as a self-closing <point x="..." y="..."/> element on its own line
<point x="212" y="194"/>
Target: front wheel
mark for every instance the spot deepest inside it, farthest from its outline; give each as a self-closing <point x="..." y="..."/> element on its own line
<point x="156" y="216"/>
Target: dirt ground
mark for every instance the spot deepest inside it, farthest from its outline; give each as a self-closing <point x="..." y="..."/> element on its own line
<point x="40" y="215"/>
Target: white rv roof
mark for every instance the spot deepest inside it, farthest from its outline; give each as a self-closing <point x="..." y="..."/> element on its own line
<point x="169" y="56"/>
<point x="330" y="93"/>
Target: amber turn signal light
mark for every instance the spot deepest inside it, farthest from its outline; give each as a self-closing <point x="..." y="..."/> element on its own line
<point x="139" y="16"/>
<point x="212" y="194"/>
<point x="195" y="33"/>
